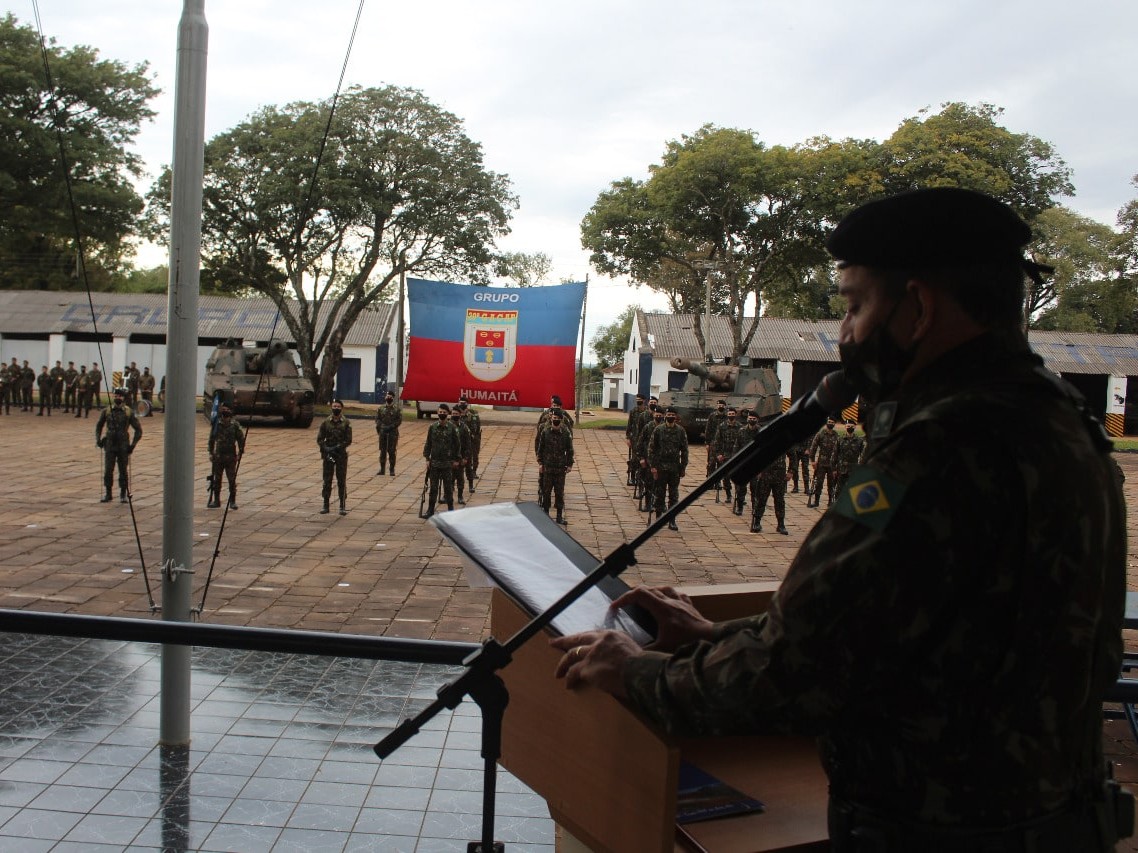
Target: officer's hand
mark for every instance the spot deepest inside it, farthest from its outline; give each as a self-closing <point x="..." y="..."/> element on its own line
<point x="655" y="473"/>
<point x="213" y="457"/>
<point x="130" y="450"/>
<point x="719" y="458"/>
<point x="541" y="469"/>
<point x="568" y="468"/>
<point x="100" y="442"/>
<point x="677" y="620"/>
<point x="596" y="658"/>
<point x="683" y="472"/>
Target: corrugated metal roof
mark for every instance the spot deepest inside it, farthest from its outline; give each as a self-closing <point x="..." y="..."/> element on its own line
<point x="124" y="314"/>
<point x="817" y="340"/>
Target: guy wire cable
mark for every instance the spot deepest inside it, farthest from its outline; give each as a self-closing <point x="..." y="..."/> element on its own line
<point x="81" y="257"/>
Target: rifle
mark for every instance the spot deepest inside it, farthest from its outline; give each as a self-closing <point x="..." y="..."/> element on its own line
<point x="423" y="495"/>
<point x="213" y="493"/>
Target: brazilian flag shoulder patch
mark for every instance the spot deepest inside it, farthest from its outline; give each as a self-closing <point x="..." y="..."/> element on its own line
<point x="870" y="498"/>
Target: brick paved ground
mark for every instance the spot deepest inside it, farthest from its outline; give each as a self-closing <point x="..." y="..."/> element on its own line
<point x="380" y="569"/>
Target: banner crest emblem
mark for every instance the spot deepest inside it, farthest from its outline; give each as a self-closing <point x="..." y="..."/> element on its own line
<point x="490" y="343"/>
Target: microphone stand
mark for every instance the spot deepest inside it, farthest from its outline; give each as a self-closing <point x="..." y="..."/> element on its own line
<point x="480" y="680"/>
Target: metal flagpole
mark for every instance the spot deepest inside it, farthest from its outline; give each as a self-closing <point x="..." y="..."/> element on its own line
<point x="581" y="358"/>
<point x="181" y="375"/>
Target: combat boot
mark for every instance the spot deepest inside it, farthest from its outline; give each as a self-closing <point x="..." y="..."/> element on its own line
<point x="122" y="496"/>
<point x="381" y="471"/>
<point x="672" y="525"/>
<point x="471" y="485"/>
<point x="106" y="499"/>
<point x="233" y="500"/>
<point x="430" y="511"/>
<point x="325" y="510"/>
<point x="727" y="489"/>
<point x="561" y="518"/>
<point x="756" y="527"/>
<point x="782" y="529"/>
<point x="450" y="507"/>
<point x="343" y="508"/>
<point x="392" y="473"/>
<point x="214" y="503"/>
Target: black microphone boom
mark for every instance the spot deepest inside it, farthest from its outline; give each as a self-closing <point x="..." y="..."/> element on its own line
<point x="800" y="421"/>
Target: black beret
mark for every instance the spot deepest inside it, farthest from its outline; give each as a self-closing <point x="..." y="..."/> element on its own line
<point x="555" y="400"/>
<point x="670" y="411"/>
<point x="937" y="227"/>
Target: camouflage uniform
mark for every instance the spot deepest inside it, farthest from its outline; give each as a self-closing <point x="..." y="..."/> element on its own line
<point x="799" y="458"/>
<point x="644" y="436"/>
<point x="146" y="389"/>
<point x="44" y="382"/>
<point x="715" y="419"/>
<point x="443" y="452"/>
<point x="555" y="456"/>
<point x="631" y="430"/>
<point x="95" y="385"/>
<point x="725" y="443"/>
<point x="27" y="383"/>
<point x="846" y="456"/>
<point x="334" y="438"/>
<point x="474" y="424"/>
<point x="770" y="482"/>
<point x="70" y="389"/>
<point x="464" y="443"/>
<point x="949" y="629"/>
<point x="83" y="386"/>
<point x="130" y="379"/>
<point x="822" y="449"/>
<point x="57" y="375"/>
<point x="747" y="433"/>
<point x="5" y="393"/>
<point x="387" y="421"/>
<point x="668" y="461"/>
<point x="226" y="447"/>
<point x="117" y="446"/>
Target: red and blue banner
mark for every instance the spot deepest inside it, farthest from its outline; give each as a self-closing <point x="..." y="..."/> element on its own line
<point x="505" y="346"/>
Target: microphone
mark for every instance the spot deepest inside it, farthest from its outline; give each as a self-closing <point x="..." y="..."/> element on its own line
<point x="801" y="420"/>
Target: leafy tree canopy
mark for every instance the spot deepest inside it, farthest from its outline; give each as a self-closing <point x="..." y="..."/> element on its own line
<point x="93" y="108"/>
<point x="400" y="189"/>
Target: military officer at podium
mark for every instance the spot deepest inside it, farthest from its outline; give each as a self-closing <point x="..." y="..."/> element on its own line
<point x="946" y="630"/>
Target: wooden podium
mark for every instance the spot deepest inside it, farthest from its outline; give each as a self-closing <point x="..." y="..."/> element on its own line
<point x="610" y="779"/>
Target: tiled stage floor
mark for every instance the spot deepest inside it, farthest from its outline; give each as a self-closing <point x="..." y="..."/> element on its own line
<point x="281" y="756"/>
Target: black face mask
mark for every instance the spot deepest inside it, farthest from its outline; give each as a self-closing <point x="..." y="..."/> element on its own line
<point x="875" y="366"/>
<point x="336" y="413"/>
<point x="442" y="417"/>
<point x="557" y="421"/>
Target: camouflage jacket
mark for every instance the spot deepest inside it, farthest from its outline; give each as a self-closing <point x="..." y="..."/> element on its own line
<point x="949" y="627"/>
<point x="70" y="376"/>
<point x="668" y="447"/>
<point x="225" y="439"/>
<point x="714" y="421"/>
<point x="44" y="382"/>
<point x="824" y="444"/>
<point x="644" y="437"/>
<point x="146" y="382"/>
<point x="555" y="448"/>
<point x="634" y="423"/>
<point x="118" y="420"/>
<point x="442" y="447"/>
<point x="57" y="376"/>
<point x="726" y="440"/>
<point x="388" y="418"/>
<point x="775" y="473"/>
<point x="848" y="451"/>
<point x="474" y="425"/>
<point x="334" y="434"/>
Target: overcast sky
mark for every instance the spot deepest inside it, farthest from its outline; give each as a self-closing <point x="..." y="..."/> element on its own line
<point x="567" y="97"/>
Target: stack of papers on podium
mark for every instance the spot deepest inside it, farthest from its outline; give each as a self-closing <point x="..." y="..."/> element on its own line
<point x="534" y="561"/>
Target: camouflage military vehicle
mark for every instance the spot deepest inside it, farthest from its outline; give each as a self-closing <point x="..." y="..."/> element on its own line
<point x="753" y="388"/>
<point x="263" y="381"/>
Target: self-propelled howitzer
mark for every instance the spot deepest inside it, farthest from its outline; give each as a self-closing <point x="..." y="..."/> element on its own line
<point x="753" y="388"/>
<point x="263" y="381"/>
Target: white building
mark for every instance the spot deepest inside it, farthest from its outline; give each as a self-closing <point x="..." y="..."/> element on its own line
<point x="1103" y="367"/>
<point x="49" y="326"/>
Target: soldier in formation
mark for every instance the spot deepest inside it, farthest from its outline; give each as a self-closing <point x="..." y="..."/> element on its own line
<point x="27" y="383"/>
<point x="443" y="452"/>
<point x="84" y="388"/>
<point x="822" y="449"/>
<point x="647" y="484"/>
<point x="668" y="461"/>
<point x="473" y="423"/>
<point x="130" y="379"/>
<point x="630" y="431"/>
<point x="388" y="418"/>
<point x="846" y="456"/>
<point x="554" y="452"/>
<point x="723" y="446"/>
<point x="44" y="382"/>
<point x="94" y="385"/>
<point x="117" y="444"/>
<point x="57" y="376"/>
<point x="715" y="419"/>
<point x="771" y="482"/>
<point x="747" y="433"/>
<point x="146" y="390"/>
<point x="226" y="447"/>
<point x="333" y="439"/>
<point x="464" y="442"/>
<point x="5" y="392"/>
<point x="70" y="388"/>
<point x="798" y="458"/>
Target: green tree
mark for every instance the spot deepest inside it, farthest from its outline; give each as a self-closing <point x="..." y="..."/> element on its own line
<point x="966" y="146"/>
<point x="1077" y="296"/>
<point x="400" y="189"/>
<point x="610" y="342"/>
<point x="94" y="108"/>
<point x="520" y="269"/>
